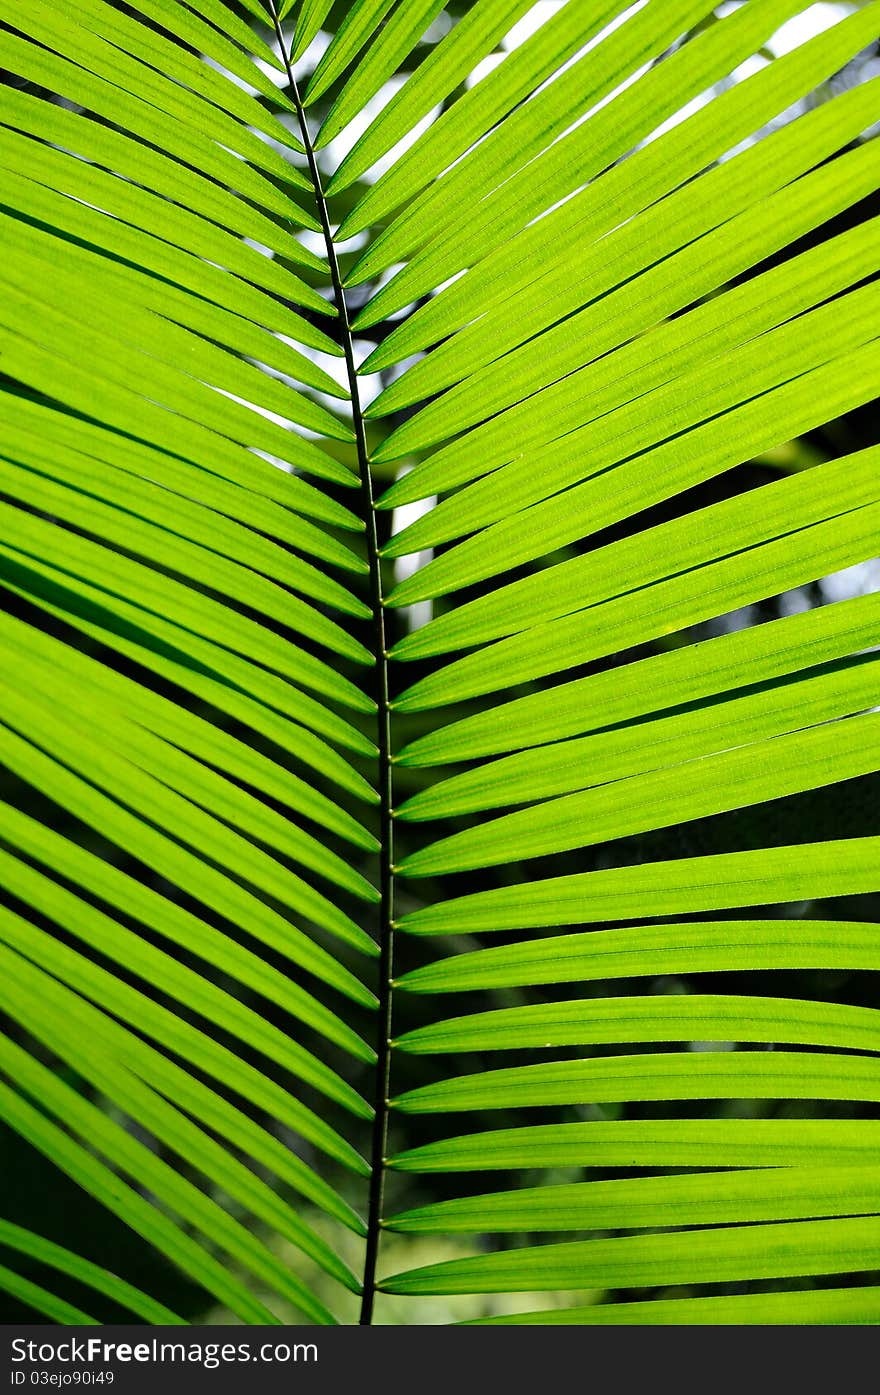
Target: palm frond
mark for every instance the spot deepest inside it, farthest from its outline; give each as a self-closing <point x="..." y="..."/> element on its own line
<point x="596" y="275"/>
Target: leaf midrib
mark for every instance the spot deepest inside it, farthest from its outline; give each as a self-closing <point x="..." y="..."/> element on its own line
<point x="383" y="713"/>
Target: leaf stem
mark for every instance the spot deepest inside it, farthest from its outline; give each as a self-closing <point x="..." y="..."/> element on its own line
<point x="377" y="605"/>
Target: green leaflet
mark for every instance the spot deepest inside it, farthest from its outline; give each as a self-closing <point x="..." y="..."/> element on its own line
<point x="141" y="373"/>
<point x="729" y="1254"/>
<point x="60" y="266"/>
<point x="701" y="1198"/>
<point x="155" y="755"/>
<point x="690" y="1143"/>
<point x="173" y="923"/>
<point x="466" y="120"/>
<point x="642" y="950"/>
<point x="128" y="1205"/>
<point x="394" y="42"/>
<point x="118" y="400"/>
<point x="147" y="123"/>
<point x="572" y="235"/>
<point x="358" y="24"/>
<point x="226" y="577"/>
<point x="58" y="1098"/>
<point x="218" y="1062"/>
<point x="820" y="1306"/>
<point x="160" y="500"/>
<point x="41" y="1300"/>
<point x="570" y="765"/>
<point x="560" y="643"/>
<point x="180" y="228"/>
<point x="205" y="38"/>
<point x="295" y="740"/>
<point x="683" y="391"/>
<point x="310" y="16"/>
<point x="156" y="806"/>
<point x="207" y="1055"/>
<point x="82" y="506"/>
<point x="90" y="49"/>
<point x="229" y="498"/>
<point x="668" y="1075"/>
<point x="238" y="330"/>
<point x="726" y="880"/>
<point x="513" y="200"/>
<point x="143" y="632"/>
<point x="97" y="1048"/>
<point x="644" y="1018"/>
<point x="749" y="520"/>
<point x="176" y="860"/>
<point x="530" y="423"/>
<point x="143" y="42"/>
<point x="705" y="246"/>
<point x="185" y="730"/>
<point x="15" y="1237"/>
<point x="161" y="593"/>
<point x="448" y="65"/>
<point x="500" y="159"/>
<point x="692" y="674"/>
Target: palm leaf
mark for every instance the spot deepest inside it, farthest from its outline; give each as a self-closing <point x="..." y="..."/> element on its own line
<point x="595" y="276"/>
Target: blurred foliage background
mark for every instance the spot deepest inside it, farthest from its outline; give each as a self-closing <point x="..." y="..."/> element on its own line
<point x="35" y="1195"/>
